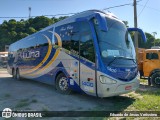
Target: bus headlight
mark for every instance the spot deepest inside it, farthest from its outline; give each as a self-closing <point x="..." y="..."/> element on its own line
<point x="106" y="80"/>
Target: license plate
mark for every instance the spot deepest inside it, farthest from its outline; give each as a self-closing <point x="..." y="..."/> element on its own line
<point x="128" y="87"/>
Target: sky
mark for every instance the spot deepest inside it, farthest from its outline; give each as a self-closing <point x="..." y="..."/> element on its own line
<point x="148" y="11"/>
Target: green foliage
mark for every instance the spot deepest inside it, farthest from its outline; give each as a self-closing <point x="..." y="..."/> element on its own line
<point x="31" y="30"/>
<point x="126" y="23"/>
<point x="12" y="30"/>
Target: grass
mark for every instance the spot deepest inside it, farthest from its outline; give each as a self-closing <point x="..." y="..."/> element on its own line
<point x="34" y="101"/>
<point x="7" y="95"/>
<point x="150" y="98"/>
<point x="9" y="118"/>
<point x="22" y="103"/>
<point x="146" y="98"/>
<point x="45" y="109"/>
<point x="144" y="81"/>
<point x="25" y="102"/>
<point x="150" y="101"/>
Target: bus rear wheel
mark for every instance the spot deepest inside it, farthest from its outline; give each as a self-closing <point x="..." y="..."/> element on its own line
<point x="156" y="79"/>
<point x="62" y="84"/>
<point x="17" y="76"/>
<point x="13" y="73"/>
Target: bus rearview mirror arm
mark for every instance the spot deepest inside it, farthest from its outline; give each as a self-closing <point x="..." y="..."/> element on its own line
<point x="140" y="31"/>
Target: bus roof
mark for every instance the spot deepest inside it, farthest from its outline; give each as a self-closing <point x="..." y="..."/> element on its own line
<point x="78" y="15"/>
<point x="72" y="19"/>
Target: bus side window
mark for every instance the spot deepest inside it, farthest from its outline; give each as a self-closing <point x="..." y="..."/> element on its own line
<point x="86" y="42"/>
<point x="63" y="32"/>
<point x="69" y="34"/>
<point x="75" y="43"/>
<point x="65" y="41"/>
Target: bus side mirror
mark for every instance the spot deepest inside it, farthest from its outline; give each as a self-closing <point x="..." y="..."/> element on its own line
<point x="102" y="22"/>
<point x="100" y="18"/>
<point x="140" y="31"/>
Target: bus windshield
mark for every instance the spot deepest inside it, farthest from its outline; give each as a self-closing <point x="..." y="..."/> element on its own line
<point x="116" y="42"/>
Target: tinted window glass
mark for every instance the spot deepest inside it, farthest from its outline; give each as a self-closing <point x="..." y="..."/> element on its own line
<point x="86" y="42"/>
<point x="74" y="33"/>
<point x="75" y="43"/>
<point x="148" y="56"/>
<point x="67" y="33"/>
<point x="154" y="56"/>
<point x="35" y="41"/>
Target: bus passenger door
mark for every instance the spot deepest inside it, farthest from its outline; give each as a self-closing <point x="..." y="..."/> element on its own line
<point x="74" y="68"/>
<point x="87" y="60"/>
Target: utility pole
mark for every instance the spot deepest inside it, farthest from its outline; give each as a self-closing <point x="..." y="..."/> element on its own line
<point x="154" y="33"/>
<point x="135" y="25"/>
<point x="29" y="12"/>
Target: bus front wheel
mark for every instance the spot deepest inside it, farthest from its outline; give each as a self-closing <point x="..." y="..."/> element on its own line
<point x="62" y="84"/>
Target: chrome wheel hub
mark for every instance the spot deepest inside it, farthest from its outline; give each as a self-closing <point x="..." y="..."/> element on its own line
<point x="63" y="84"/>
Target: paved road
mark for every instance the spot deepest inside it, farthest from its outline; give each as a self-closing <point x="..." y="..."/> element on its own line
<point x="31" y="95"/>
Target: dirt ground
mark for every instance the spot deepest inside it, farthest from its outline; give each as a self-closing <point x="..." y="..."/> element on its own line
<point x="30" y="95"/>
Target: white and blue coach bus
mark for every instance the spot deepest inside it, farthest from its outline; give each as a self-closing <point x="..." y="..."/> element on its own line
<point x="90" y="52"/>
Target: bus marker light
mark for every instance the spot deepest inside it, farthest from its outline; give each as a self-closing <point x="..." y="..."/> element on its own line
<point x="90" y="79"/>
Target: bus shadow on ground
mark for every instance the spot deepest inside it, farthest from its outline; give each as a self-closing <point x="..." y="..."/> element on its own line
<point x="116" y="103"/>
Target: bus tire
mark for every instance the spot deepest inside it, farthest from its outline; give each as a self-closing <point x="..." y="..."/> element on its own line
<point x="62" y="84"/>
<point x="17" y="76"/>
<point x="155" y="79"/>
<point x="13" y="73"/>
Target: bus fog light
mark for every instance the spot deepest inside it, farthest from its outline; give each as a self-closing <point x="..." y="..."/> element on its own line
<point x="106" y="80"/>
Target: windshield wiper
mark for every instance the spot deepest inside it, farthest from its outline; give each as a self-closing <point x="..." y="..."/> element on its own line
<point x="120" y="57"/>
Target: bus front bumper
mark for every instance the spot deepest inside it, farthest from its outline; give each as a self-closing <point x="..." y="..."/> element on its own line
<point x="117" y="89"/>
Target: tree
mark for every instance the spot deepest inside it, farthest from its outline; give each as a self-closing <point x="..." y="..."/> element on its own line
<point x="12" y="30"/>
<point x="157" y="42"/>
<point x="41" y="22"/>
<point x="126" y="23"/>
<point x="31" y="30"/>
